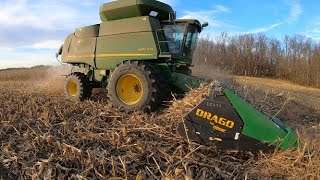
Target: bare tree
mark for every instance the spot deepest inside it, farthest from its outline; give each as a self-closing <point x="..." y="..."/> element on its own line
<point x="296" y="58"/>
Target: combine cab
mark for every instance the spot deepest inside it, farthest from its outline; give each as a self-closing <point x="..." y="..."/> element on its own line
<point x="140" y="52"/>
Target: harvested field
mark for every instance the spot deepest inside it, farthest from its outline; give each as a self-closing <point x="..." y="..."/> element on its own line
<point x="43" y="135"/>
<point x="307" y="96"/>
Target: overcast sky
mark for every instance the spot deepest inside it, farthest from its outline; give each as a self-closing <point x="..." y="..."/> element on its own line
<point x="32" y="30"/>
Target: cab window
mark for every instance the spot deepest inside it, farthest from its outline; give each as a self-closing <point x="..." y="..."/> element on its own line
<point x="174" y="35"/>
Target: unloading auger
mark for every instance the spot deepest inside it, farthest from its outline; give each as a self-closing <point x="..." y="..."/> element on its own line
<point x="230" y="123"/>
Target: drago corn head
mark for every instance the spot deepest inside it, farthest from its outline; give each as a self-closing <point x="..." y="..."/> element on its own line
<point x="227" y="121"/>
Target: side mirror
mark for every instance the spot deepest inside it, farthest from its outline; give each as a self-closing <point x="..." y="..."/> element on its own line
<point x="205" y="24"/>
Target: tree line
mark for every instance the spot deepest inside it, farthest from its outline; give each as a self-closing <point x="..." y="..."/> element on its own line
<point x="295" y="58"/>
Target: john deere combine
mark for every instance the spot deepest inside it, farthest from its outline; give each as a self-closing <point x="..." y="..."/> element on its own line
<point x="139" y="52"/>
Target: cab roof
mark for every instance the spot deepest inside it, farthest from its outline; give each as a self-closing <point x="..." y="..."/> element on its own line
<point x="189" y="21"/>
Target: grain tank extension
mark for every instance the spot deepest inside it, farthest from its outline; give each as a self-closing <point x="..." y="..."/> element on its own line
<point x="140" y="52"/>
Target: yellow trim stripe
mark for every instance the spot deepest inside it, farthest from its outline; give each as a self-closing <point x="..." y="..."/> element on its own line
<point x="122" y="55"/>
<point x="82" y="56"/>
<point x="108" y="55"/>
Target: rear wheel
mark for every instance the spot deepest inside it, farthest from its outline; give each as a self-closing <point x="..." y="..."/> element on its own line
<point x="129" y="89"/>
<point x="136" y="86"/>
<point x="77" y="87"/>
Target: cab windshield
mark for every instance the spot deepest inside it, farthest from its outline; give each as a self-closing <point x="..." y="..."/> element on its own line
<point x="174" y="35"/>
<point x="191" y="41"/>
<point x="176" y="41"/>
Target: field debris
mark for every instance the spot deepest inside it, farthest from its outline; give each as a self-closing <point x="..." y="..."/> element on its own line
<point x="43" y="135"/>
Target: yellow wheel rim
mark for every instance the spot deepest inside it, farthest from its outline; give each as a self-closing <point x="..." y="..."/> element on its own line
<point x="129" y="89"/>
<point x="72" y="88"/>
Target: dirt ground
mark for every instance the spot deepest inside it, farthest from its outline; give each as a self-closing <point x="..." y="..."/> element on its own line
<point x="43" y="135"/>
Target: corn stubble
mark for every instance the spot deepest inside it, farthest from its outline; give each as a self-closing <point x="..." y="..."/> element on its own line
<point x="43" y="135"/>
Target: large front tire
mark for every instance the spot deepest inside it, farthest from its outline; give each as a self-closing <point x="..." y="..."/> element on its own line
<point x="135" y="86"/>
<point x="77" y="87"/>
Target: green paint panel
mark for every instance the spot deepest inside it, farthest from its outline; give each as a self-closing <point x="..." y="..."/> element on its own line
<point x="261" y="127"/>
<point x="66" y="47"/>
<point x="88" y="31"/>
<point x="118" y="41"/>
<point x="130" y="25"/>
<point x="122" y="9"/>
<point x="112" y="50"/>
<point x="79" y="50"/>
<point x="181" y="81"/>
<point x="98" y="75"/>
<point x="184" y="82"/>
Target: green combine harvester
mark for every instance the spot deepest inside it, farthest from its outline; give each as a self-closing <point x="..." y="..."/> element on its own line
<point x="140" y="52"/>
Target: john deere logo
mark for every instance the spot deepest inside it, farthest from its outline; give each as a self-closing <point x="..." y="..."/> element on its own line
<point x="215" y="118"/>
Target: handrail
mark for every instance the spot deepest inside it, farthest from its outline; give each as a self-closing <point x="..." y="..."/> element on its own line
<point x="159" y="42"/>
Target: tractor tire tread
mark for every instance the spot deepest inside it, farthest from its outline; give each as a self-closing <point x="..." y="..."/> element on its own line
<point x="158" y="80"/>
<point x="85" y="86"/>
